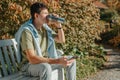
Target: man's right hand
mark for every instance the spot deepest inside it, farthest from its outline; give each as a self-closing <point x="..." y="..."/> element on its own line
<point x="65" y="62"/>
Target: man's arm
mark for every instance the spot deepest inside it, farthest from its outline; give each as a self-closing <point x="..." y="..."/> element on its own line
<point x="60" y="38"/>
<point x="34" y="59"/>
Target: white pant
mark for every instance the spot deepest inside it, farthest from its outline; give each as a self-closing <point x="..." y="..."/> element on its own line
<point x="44" y="70"/>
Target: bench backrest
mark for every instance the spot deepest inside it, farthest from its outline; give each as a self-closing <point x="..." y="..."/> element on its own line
<point x="9" y="58"/>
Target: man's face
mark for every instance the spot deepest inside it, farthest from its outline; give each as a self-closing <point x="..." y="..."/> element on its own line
<point x="42" y="16"/>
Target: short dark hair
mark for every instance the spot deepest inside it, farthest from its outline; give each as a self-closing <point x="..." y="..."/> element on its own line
<point x="36" y="8"/>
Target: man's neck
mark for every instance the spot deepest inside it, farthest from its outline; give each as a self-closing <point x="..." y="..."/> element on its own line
<point x="37" y="25"/>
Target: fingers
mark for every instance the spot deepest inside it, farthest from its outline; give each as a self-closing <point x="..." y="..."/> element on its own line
<point x="54" y="21"/>
<point x="55" y="15"/>
<point x="68" y="62"/>
<point x="65" y="57"/>
<point x="65" y="62"/>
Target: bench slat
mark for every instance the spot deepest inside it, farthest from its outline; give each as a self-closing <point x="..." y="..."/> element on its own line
<point x="0" y="73"/>
<point x="7" y="42"/>
<point x="13" y="43"/>
<point x="19" y="76"/>
<point x="13" y="59"/>
<point x="22" y="77"/>
<point x="3" y="64"/>
<point x="18" y="56"/>
<point x="30" y="78"/>
<point x="9" y="67"/>
<point x="11" y="77"/>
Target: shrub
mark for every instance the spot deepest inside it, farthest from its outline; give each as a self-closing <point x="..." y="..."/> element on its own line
<point x="82" y="25"/>
<point x="87" y="66"/>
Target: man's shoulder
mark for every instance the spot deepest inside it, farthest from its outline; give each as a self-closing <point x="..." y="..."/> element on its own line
<point x="26" y="32"/>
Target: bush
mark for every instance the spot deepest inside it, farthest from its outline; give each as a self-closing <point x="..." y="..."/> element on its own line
<point x="87" y="66"/>
<point x="12" y="14"/>
<point x="82" y="25"/>
<point x="112" y="34"/>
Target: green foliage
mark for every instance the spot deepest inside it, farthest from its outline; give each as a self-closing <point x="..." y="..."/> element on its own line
<point x="87" y="66"/>
<point x="82" y="25"/>
<point x="112" y="17"/>
<point x="106" y="15"/>
<point x="12" y="14"/>
<point x="81" y="28"/>
<point x="108" y="36"/>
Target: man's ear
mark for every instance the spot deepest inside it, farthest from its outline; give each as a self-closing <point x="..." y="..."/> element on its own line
<point x="35" y="15"/>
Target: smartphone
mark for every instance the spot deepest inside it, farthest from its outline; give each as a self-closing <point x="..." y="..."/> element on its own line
<point x="72" y="57"/>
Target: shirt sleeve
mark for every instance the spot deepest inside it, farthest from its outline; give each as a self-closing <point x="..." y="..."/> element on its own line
<point x="26" y="40"/>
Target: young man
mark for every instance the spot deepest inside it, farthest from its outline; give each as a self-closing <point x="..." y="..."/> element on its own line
<point x="36" y="43"/>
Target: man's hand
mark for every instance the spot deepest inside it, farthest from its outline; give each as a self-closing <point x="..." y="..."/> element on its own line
<point x="54" y="22"/>
<point x="65" y="62"/>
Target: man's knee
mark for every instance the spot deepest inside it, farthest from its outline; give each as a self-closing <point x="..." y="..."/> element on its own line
<point x="47" y="68"/>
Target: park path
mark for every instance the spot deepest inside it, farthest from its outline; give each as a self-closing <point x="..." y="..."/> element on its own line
<point x="112" y="69"/>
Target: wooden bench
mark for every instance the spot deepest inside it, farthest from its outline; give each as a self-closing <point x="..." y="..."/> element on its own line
<point x="9" y="60"/>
